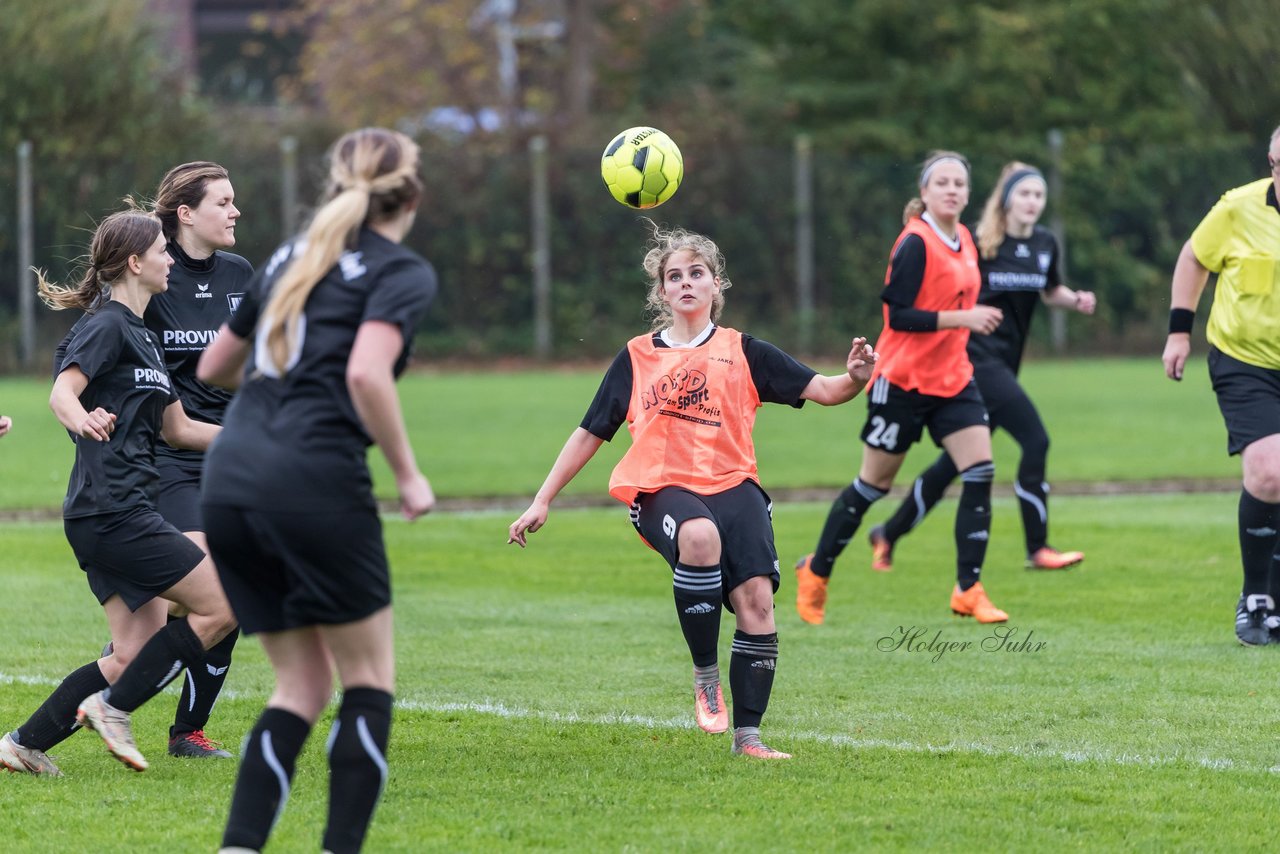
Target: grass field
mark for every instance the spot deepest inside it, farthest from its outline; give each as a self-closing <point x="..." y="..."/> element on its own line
<point x="545" y="700"/>
<point x="495" y="434"/>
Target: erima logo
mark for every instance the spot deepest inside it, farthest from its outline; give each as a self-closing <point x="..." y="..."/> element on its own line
<point x="978" y="535"/>
<point x="150" y="375"/>
<point x="189" y="336"/>
<point x="766" y="663"/>
<point x="1260" y="532"/>
<point x="351" y="265"/>
<point x="204" y="291"/>
<point x="215" y="671"/>
<point x="700" y="608"/>
<point x="1022" y="251"/>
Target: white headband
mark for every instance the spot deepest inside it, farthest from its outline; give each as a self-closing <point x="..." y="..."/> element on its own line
<point x="928" y="170"/>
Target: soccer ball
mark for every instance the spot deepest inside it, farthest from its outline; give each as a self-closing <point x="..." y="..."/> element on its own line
<point x="642" y="167"/>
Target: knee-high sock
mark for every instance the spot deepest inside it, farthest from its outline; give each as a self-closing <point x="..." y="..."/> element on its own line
<point x="698" y="594"/>
<point x="161" y="659"/>
<point x="973" y="522"/>
<point x="357" y="766"/>
<point x="751" y="668"/>
<point x="201" y="687"/>
<point x="266" y="773"/>
<point x="56" y="717"/>
<point x="1259" y="522"/>
<point x="926" y="491"/>
<point x="842" y="523"/>
<point x="1033" y="492"/>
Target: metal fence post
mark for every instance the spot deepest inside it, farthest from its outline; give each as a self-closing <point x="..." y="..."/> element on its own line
<point x="26" y="258"/>
<point x="540" y="210"/>
<point x="804" y="243"/>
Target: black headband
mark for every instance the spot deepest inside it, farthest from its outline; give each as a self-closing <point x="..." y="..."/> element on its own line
<point x="1014" y="180"/>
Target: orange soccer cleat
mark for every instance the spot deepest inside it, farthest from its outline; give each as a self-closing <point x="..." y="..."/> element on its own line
<point x="708" y="701"/>
<point x="811" y="592"/>
<point x="1048" y="557"/>
<point x="746" y="742"/>
<point x="881" y="550"/>
<point x="974" y="603"/>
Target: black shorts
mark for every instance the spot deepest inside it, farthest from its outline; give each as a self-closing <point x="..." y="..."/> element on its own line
<point x="135" y="553"/>
<point x="1249" y="398"/>
<point x="288" y="569"/>
<point x="896" y="417"/>
<point x="743" y="515"/>
<point x="179" y="499"/>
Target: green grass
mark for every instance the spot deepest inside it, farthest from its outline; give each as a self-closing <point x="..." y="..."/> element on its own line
<point x="486" y="434"/>
<point x="545" y="700"/>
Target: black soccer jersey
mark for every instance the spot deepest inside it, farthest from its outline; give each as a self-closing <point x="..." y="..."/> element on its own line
<point x="778" y="377"/>
<point x="1013" y="281"/>
<point x="127" y="377"/>
<point x="297" y="443"/>
<point x="201" y="296"/>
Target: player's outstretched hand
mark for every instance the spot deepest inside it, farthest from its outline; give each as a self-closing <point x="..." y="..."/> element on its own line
<point x="6" y="424"/>
<point x="528" y="523"/>
<point x="862" y="361"/>
<point x="98" y="425"/>
<point x="416" y="496"/>
<point x="1176" y="350"/>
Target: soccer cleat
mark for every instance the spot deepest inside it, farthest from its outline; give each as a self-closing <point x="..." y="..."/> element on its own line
<point x="746" y="742"/>
<point x="1047" y="557"/>
<point x="881" y="550"/>
<point x="106" y="720"/>
<point x="811" y="592"/>
<point x="974" y="603"/>
<point x="195" y="745"/>
<point x="708" y="700"/>
<point x="1254" y="625"/>
<point x="25" y="760"/>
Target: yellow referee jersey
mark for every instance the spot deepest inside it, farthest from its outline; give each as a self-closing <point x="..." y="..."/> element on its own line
<point x="1239" y="239"/>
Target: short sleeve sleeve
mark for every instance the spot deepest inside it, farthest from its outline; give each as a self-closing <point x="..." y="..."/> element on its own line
<point x="778" y="376"/>
<point x="1212" y="236"/>
<point x="400" y="296"/>
<point x="608" y="410"/>
<point x="96" y="347"/>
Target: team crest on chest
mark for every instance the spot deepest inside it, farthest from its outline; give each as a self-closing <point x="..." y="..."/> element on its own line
<point x="1043" y="259"/>
<point x="233" y="301"/>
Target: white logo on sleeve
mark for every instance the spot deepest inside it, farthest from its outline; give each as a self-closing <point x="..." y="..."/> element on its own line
<point x="351" y="265"/>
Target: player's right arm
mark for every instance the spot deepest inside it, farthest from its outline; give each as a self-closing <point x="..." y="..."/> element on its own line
<point x="1189" y="278"/>
<point x="576" y="453"/>
<point x="64" y="400"/>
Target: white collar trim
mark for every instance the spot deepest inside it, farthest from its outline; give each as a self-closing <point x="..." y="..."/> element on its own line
<point x="702" y="336"/>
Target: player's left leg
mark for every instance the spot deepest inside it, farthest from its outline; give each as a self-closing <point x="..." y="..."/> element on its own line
<point x="200" y="690"/>
<point x="752" y="665"/>
<point x="970" y="450"/>
<point x="363" y="654"/>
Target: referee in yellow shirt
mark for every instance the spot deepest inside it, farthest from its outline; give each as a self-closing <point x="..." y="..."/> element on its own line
<point x="1239" y="239"/>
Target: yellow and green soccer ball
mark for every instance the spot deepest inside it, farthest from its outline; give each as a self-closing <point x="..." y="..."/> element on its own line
<point x="642" y="167"/>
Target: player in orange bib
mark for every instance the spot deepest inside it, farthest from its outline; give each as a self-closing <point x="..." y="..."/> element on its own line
<point x="924" y="379"/>
<point x="689" y="392"/>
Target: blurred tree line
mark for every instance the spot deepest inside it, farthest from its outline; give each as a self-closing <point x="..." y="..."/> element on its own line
<point x="1163" y="105"/>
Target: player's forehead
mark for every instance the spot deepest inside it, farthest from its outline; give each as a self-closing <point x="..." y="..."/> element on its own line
<point x="684" y="259"/>
<point x="948" y="170"/>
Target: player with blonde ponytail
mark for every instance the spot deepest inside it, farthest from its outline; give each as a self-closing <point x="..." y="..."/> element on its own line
<point x="319" y="340"/>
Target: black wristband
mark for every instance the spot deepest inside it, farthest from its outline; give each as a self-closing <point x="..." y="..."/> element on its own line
<point x="1181" y="320"/>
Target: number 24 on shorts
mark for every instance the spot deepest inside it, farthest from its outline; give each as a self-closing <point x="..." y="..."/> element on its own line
<point x="882" y="435"/>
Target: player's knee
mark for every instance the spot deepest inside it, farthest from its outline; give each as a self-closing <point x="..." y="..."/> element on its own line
<point x="699" y="542"/>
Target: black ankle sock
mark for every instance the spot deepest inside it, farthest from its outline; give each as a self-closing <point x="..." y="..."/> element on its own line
<point x="260" y="795"/>
<point x="357" y="766"/>
<point x="842" y="523"/>
<point x="160" y="660"/>
<point x="751" y="669"/>
<point x="201" y="687"/>
<point x="56" y="717"/>
<point x="973" y="523"/>
<point x="1258" y="522"/>
<point x="698" y="595"/>
<point x="926" y="491"/>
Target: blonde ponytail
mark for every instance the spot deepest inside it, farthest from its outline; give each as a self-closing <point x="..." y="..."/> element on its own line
<point x="372" y="175"/>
